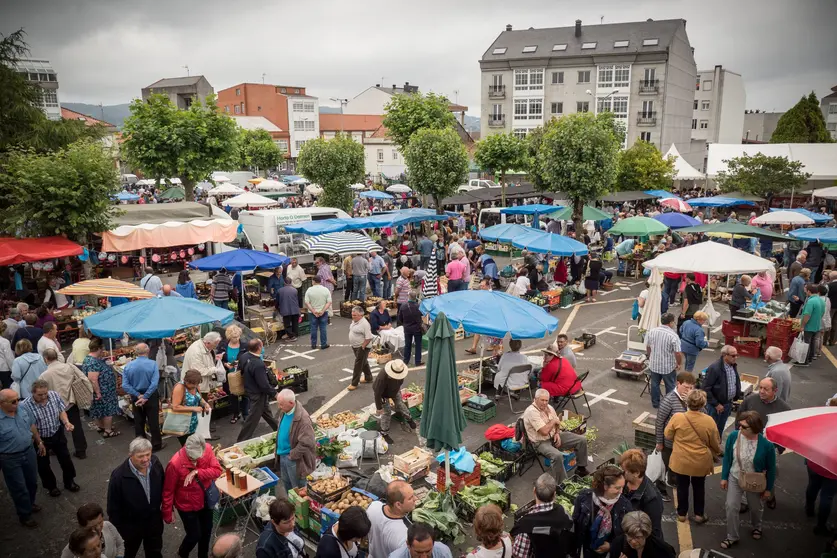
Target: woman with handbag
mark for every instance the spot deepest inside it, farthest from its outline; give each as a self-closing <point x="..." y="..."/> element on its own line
<point x="26" y="368"/>
<point x="695" y="443"/>
<point x="189" y="486"/>
<point x="185" y="399"/>
<point x="749" y="470"/>
<point x="230" y="349"/>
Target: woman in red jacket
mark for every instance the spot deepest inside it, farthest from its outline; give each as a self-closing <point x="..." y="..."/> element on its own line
<point x="191" y="470"/>
<point x="557" y="376"/>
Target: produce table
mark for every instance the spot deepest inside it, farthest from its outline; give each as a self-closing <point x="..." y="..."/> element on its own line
<point x="232" y="498"/>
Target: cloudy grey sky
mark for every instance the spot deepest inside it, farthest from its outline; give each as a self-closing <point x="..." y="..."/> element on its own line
<point x="107" y="50"/>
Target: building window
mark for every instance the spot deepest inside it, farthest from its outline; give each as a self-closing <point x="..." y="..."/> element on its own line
<point x="237" y="109"/>
<point x="832" y="108"/>
<point x="50" y="99"/>
<point x="499" y="50"/>
<point x="697" y="84"/>
<point x="227" y="108"/>
<point x="283" y="90"/>
<point x="588" y="46"/>
<point x="707" y="85"/>
<point x="606" y="76"/>
<point x="380" y="155"/>
<point x="557" y="78"/>
<point x="528" y="109"/>
<point x="297" y="107"/>
<point x="308" y="107"/>
<point x="296" y="91"/>
<point x="530" y="48"/>
<point x="584" y="76"/>
<point x="299" y="144"/>
<point x="496" y="112"/>
<point x="528" y="80"/>
<point x="283" y="145"/>
<point x="694" y="123"/>
<point x="582" y="106"/>
<point x="650" y="42"/>
<point x="304" y="125"/>
<point x="645" y="136"/>
<point x="620" y="44"/>
<point x="616" y="105"/>
<point x="648" y="109"/>
<point x="562" y="46"/>
<point x="650" y="74"/>
<point x="831" y="126"/>
<point x="696" y="104"/>
<point x="557" y="108"/>
<point x="237" y="92"/>
<point x="621" y="75"/>
<point x="520" y="108"/>
<point x="394" y="155"/>
<point x="242" y="108"/>
<point x="53" y="77"/>
<point x="704" y="124"/>
<point x="704" y="105"/>
<point x="520" y="133"/>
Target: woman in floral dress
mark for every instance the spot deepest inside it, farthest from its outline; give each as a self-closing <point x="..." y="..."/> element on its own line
<point x="105" y="401"/>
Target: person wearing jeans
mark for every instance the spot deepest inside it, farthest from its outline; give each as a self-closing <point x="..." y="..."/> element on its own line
<point x="376" y="273"/>
<point x="360" y="271"/>
<point x="671" y="283"/>
<point x="693" y="338"/>
<point x="296" y="448"/>
<point x="410" y="317"/>
<point x="318" y="303"/>
<point x="822" y="482"/>
<point x="723" y="386"/>
<point x="360" y="334"/>
<point x="665" y="356"/>
<point x="812" y="314"/>
<point x="674" y="402"/>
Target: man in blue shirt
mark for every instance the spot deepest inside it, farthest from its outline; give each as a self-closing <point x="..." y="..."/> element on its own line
<point x="376" y="272"/>
<point x="489" y="267"/>
<point x="425" y="251"/>
<point x="139" y="380"/>
<point x="17" y="455"/>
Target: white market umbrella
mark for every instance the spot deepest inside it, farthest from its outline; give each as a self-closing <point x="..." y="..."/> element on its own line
<point x="399" y="189"/>
<point x="299" y="181"/>
<point x="204" y="185"/>
<point x="226" y="190"/>
<point x="174" y="180"/>
<point x="341" y="243"/>
<point x="783" y="218"/>
<point x="650" y="317"/>
<point x="270" y="186"/>
<point x="314" y="190"/>
<point x="221" y="178"/>
<point x="829" y="193"/>
<point x="710" y="258"/>
<point x="250" y="199"/>
<point x="358" y="186"/>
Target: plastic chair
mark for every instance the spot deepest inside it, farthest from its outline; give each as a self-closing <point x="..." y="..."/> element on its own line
<point x="521" y="374"/>
<point x="561" y="402"/>
<point x="530" y="454"/>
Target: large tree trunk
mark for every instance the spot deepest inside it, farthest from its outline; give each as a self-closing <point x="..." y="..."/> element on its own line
<point x="189" y="188"/>
<point x="578" y="218"/>
<point x="438" y="201"/>
<point x="503" y="188"/>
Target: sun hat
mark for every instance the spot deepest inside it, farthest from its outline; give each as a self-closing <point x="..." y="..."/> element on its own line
<point x="552" y="350"/>
<point x="396" y="369"/>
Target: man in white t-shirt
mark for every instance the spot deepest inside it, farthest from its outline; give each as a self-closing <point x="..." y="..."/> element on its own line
<point x="49" y="340"/>
<point x="389" y="522"/>
<point x="642" y="299"/>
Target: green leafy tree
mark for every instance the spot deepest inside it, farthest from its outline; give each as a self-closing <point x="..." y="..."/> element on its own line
<point x="334" y="164"/>
<point x="258" y="150"/>
<point x="438" y="163"/>
<point x="162" y="141"/>
<point x="804" y="123"/>
<point x="408" y="113"/>
<point x="762" y="175"/>
<point x="501" y="153"/>
<point x="642" y="167"/>
<point x="67" y="192"/>
<point x="578" y="155"/>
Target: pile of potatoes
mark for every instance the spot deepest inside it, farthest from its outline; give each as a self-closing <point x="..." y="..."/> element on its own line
<point x="336" y="420"/>
<point x="348" y="500"/>
<point x="327" y="486"/>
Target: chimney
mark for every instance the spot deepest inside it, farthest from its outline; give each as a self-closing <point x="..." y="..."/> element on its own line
<point x="377" y="85"/>
<point x="578" y="28"/>
<point x="394" y="87"/>
<point x="508" y="27"/>
<point x="406" y="85"/>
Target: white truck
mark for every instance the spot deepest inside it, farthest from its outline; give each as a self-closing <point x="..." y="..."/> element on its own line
<point x="476" y="184"/>
<point x="265" y="228"/>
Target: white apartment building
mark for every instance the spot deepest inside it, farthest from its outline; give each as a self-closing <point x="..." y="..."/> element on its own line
<point x="828" y="104"/>
<point x="643" y="72"/>
<point x="41" y="73"/>
<point x="304" y="119"/>
<point x="717" y="113"/>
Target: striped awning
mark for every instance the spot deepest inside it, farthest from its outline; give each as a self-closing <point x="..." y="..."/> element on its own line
<point x="341" y="243"/>
<point x="106" y="287"/>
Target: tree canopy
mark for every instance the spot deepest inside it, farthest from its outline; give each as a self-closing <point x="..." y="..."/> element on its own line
<point x="803" y="123"/>
<point x="408" y="113"/>
<point x="64" y="192"/>
<point x="642" y="167"/>
<point x="500" y="153"/>
<point x="577" y="155"/>
<point x="437" y="162"/>
<point x="162" y="141"/>
<point x="761" y="175"/>
<point x="258" y="150"/>
<point x="334" y="164"/>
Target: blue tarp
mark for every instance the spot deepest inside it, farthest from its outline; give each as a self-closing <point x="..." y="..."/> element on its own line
<point x="390" y="219"/>
<point x="533" y="209"/>
<point x="662" y="194"/>
<point x="549" y="243"/>
<point x="677" y="220"/>
<point x="827" y="235"/>
<point x="376" y="195"/>
<point x="290" y="178"/>
<point x="492" y="313"/>
<point x="154" y="318"/>
<point x="125" y="195"/>
<point x="504" y="232"/>
<point x="240" y="260"/>
<point x="718" y="201"/>
<point x="817" y="217"/>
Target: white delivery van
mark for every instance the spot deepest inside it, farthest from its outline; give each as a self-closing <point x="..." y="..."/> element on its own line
<point x="265" y="228"/>
<point x="477" y="184"/>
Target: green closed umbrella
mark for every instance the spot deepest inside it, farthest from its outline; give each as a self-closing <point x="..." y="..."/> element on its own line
<point x="442" y="421"/>
<point x="638" y="226"/>
<point x="589" y="214"/>
<point x="175" y="193"/>
<point x="737" y="230"/>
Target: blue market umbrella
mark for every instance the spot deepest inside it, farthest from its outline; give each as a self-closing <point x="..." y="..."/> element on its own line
<point x="503" y="233"/>
<point x="376" y="195"/>
<point x="240" y="260"/>
<point x="549" y="243"/>
<point x="125" y="195"/>
<point x="662" y="194"/>
<point x="676" y="220"/>
<point x="718" y="201"/>
<point x="826" y="235"/>
<point x="154" y="318"/>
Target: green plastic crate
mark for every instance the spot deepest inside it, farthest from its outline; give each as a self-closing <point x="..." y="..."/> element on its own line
<point x="414" y="412"/>
<point x="480" y="416"/>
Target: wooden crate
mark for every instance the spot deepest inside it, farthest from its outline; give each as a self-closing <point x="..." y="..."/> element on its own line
<point x="465" y="394"/>
<point x="412" y="399"/>
<point x="644" y="431"/>
<point x="412" y="461"/>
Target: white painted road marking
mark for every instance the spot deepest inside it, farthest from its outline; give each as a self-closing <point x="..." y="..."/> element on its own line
<point x="296" y="354"/>
<point x="605" y="397"/>
<point x="610" y="330"/>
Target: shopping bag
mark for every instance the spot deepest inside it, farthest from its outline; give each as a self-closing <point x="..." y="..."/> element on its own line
<point x="176" y="423"/>
<point x="655" y="469"/>
<point x="710" y="312"/>
<point x="203" y="424"/>
<point x="220" y="372"/>
<point x="799" y="349"/>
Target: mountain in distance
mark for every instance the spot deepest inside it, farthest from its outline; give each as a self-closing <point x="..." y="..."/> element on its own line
<point x="115" y="114"/>
<point x="472" y="123"/>
<point x="329" y="110"/>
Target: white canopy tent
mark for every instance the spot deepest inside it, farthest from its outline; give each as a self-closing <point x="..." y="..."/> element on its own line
<point x="818" y="159"/>
<point x="358" y="186"/>
<point x="225" y="190"/>
<point x="399" y="189"/>
<point x="829" y="193"/>
<point x="682" y="169"/>
<point x="271" y="186"/>
<point x="250" y="199"/>
<point x="711" y="258"/>
<point x="783" y="218"/>
<point x="218" y="177"/>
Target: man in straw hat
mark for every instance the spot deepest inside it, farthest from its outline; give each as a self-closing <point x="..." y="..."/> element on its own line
<point x="388" y="386"/>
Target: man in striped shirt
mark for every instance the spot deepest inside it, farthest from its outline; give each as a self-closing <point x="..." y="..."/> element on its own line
<point x="665" y="356"/>
<point x="674" y="402"/>
<point x="221" y="288"/>
<point x="48" y="409"/>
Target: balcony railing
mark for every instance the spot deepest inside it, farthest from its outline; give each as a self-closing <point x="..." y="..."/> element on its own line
<point x="649" y="86"/>
<point x="496" y="120"/>
<point x="646" y="118"/>
<point x="496" y="91"/>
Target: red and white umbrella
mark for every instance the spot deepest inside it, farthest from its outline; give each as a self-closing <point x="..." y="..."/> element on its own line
<point x="809" y="432"/>
<point x="676" y="204"/>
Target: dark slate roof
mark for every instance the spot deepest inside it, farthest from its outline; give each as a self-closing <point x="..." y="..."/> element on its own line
<point x="604" y="35"/>
<point x="175" y="82"/>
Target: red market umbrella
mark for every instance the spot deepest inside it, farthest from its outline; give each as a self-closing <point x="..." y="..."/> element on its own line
<point x="809" y="432"/>
<point x="22" y="250"/>
<point x="676" y="204"/>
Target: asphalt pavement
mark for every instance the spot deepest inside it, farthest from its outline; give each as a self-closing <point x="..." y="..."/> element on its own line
<point x="614" y="404"/>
